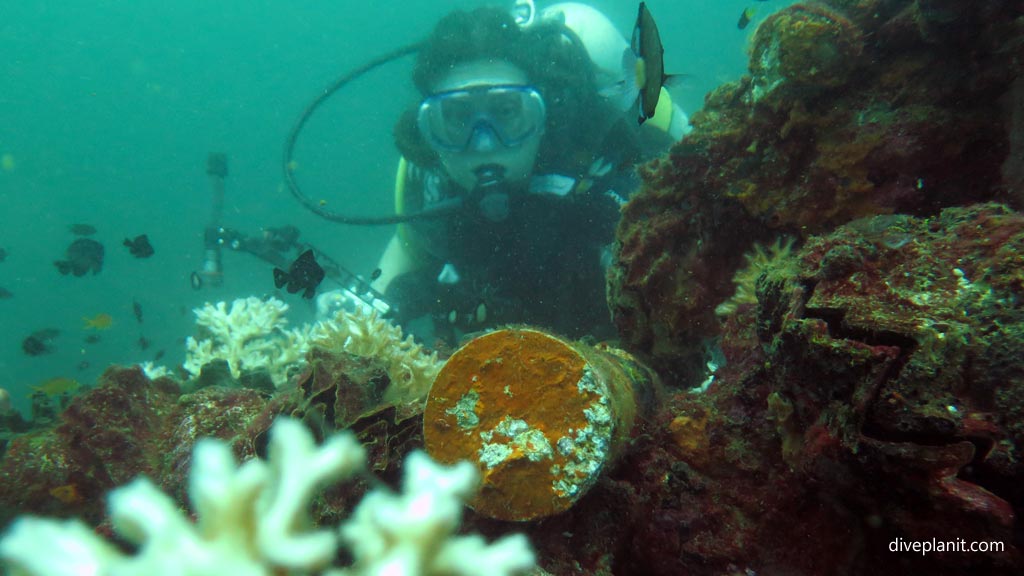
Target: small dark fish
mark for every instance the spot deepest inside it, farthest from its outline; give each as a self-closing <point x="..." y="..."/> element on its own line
<point x="40" y="342"/>
<point x="195" y="280"/>
<point x="82" y="229"/>
<point x="35" y="346"/>
<point x="82" y="256"/>
<point x="375" y="274"/>
<point x="5" y="293"/>
<point x="139" y="246"/>
<point x="92" y="339"/>
<point x="745" y="17"/>
<point x="143" y="343"/>
<point x="159" y="355"/>
<point x="137" y="309"/>
<point x="83" y="365"/>
<point x="304" y="274"/>
<point x="3" y="254"/>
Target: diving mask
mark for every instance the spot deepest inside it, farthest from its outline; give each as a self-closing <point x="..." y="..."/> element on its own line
<point x="471" y="118"/>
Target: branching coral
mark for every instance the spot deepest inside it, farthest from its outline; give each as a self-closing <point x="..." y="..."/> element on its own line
<point x="249" y="335"/>
<point x="251" y="520"/>
<point x="410" y="369"/>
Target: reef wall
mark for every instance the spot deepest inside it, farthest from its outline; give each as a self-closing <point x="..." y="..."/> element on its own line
<point x="850" y="109"/>
<point x="869" y="390"/>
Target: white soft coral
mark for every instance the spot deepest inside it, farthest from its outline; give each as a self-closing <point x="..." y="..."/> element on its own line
<point x="251" y="334"/>
<point x="251" y="520"/>
<point x="411" y="532"/>
<point x="365" y="333"/>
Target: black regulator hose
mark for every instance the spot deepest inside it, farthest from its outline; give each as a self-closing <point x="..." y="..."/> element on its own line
<point x="293" y="136"/>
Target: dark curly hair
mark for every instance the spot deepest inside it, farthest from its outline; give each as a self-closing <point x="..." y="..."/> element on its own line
<point x="555" y="62"/>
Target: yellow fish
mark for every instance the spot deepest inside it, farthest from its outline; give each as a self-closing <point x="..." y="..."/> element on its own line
<point x="98" y="322"/>
<point x="67" y="494"/>
<point x="56" y="386"/>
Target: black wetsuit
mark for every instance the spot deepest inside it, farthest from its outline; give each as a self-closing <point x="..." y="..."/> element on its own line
<point x="541" y="265"/>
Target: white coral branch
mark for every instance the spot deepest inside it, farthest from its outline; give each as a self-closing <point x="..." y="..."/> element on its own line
<point x="252" y="521"/>
<point x="249" y="335"/>
<point x="364" y="333"/>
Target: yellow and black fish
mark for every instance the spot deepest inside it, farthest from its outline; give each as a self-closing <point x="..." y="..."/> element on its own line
<point x="745" y="17"/>
<point x="649" y="68"/>
<point x="643" y="69"/>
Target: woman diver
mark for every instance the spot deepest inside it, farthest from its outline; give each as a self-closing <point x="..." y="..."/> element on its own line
<point x="519" y="126"/>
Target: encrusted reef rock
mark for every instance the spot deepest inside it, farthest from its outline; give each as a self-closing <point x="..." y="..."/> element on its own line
<point x="126" y="426"/>
<point x="872" y="398"/>
<point x="852" y="108"/>
<point x="860" y="108"/>
<point x="896" y="385"/>
<point x="340" y="390"/>
<point x="103" y="439"/>
<point x="130" y="425"/>
<point x="802" y="51"/>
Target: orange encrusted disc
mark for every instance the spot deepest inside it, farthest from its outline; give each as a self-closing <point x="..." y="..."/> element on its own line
<point x="530" y="412"/>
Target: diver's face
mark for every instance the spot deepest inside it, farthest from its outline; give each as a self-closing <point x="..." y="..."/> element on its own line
<point x="486" y="147"/>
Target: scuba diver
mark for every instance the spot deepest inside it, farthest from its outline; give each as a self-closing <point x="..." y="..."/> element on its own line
<point x="525" y="126"/>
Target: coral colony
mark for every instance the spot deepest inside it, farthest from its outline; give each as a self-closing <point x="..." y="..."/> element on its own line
<point x="252" y="520"/>
<point x="252" y="334"/>
<point x="249" y="334"/>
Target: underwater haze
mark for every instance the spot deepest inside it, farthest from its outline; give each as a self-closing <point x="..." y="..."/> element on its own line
<point x="109" y="110"/>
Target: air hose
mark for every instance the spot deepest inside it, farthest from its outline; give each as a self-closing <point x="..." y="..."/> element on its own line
<point x="307" y="113"/>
